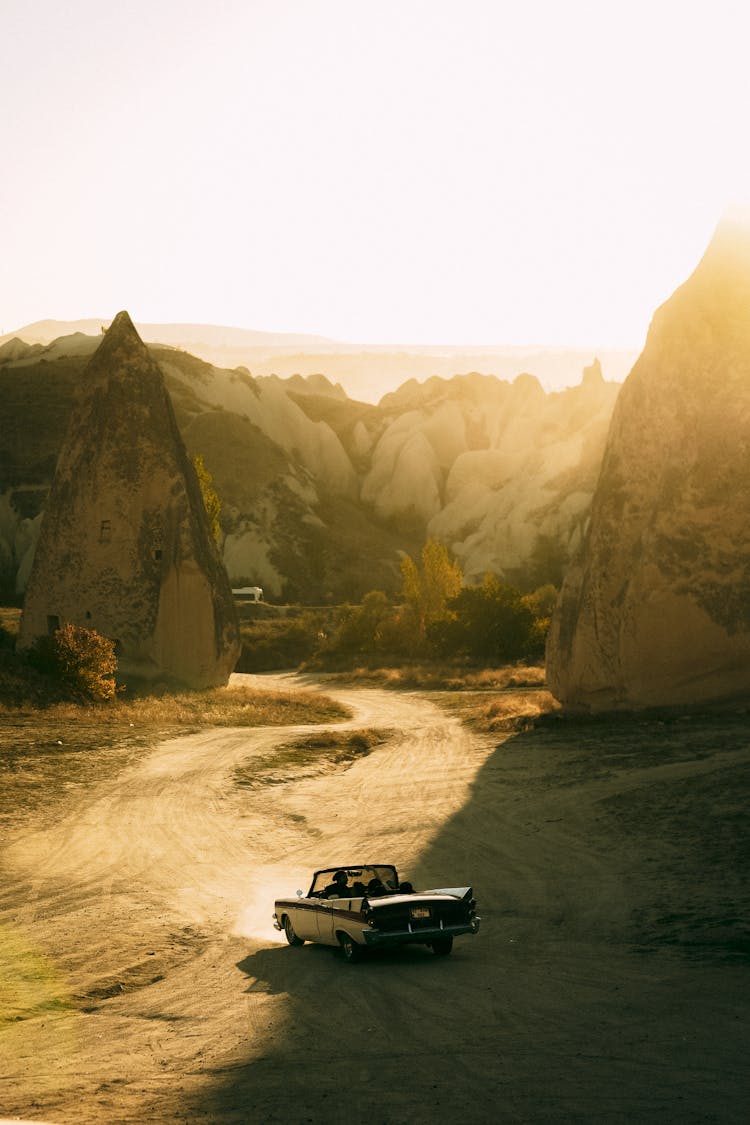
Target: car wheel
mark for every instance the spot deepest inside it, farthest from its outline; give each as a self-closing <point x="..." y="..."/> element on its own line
<point x="349" y="948"/>
<point x="291" y="937"/>
<point x="443" y="945"/>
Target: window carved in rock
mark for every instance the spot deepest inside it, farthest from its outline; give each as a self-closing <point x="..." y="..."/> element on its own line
<point x="157" y="540"/>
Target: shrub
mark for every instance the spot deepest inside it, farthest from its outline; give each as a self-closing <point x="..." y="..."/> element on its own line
<point x="374" y="631"/>
<point x="81" y="659"/>
<point x="361" y="627"/>
<point x="268" y="645"/>
<point x="487" y="622"/>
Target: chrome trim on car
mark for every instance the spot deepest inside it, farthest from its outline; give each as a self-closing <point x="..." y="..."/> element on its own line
<point x="422" y="936"/>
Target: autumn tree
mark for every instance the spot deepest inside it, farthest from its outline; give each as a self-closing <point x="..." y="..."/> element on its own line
<point x="428" y="585"/>
<point x="542" y="604"/>
<point x="81" y="659"/>
<point x="211" y="501"/>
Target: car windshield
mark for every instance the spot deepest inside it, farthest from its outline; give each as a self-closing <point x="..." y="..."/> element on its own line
<point x="350" y="882"/>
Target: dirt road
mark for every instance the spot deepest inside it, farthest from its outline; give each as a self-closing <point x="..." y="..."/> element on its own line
<point x="610" y="983"/>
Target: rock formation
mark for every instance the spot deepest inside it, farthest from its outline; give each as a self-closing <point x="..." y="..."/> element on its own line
<point x="494" y="468"/>
<point x="322" y="494"/>
<point x="125" y="547"/>
<point x="656" y="610"/>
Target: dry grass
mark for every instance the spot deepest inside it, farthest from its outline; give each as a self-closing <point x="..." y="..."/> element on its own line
<point x="311" y="756"/>
<point x="232" y="707"/>
<point x="510" y="711"/>
<point x="45" y="753"/>
<point x="219" y="707"/>
<point x="436" y="677"/>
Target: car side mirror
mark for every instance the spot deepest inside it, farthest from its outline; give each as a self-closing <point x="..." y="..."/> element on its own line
<point x="299" y="894"/>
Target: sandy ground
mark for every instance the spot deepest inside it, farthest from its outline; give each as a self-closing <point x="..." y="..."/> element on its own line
<point x="142" y="981"/>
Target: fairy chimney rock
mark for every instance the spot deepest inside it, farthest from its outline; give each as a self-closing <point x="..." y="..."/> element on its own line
<point x="592" y="375"/>
<point x="656" y="610"/>
<point x="125" y="546"/>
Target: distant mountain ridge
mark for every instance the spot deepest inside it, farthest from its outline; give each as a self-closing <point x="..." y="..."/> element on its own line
<point x="366" y="372"/>
<point x="176" y="335"/>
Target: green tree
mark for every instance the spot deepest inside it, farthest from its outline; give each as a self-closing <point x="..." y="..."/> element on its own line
<point x="211" y="501"/>
<point x="542" y="604"/>
<point x="489" y="622"/>
<point x="428" y="585"/>
<point x="362" y="627"/>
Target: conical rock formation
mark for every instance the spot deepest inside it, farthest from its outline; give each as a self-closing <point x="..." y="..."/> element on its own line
<point x="656" y="611"/>
<point x="125" y="546"/>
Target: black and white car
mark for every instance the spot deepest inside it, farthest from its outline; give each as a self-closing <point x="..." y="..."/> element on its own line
<point x="365" y="906"/>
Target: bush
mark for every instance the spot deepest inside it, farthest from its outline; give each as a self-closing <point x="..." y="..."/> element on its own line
<point x="542" y="605"/>
<point x="81" y="659"/>
<point x="488" y="622"/>
<point x="269" y="645"/>
<point x="360" y="628"/>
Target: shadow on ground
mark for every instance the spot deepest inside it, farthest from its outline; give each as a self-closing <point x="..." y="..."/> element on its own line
<point x="610" y="981"/>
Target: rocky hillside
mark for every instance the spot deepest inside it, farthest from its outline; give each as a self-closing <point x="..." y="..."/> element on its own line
<point x="656" y="611"/>
<point x="321" y="493"/>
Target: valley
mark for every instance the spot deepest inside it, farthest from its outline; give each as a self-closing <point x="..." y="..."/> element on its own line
<point x="608" y="981"/>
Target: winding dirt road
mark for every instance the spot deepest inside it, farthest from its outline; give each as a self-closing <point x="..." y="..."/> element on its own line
<point x="144" y="982"/>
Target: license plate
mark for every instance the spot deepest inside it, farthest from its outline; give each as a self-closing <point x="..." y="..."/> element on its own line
<point x="420" y="912"/>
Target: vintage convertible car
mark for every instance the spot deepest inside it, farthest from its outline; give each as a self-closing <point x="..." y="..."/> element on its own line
<point x="366" y="907"/>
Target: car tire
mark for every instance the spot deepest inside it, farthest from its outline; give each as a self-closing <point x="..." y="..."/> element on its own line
<point x="442" y="946"/>
<point x="350" y="949"/>
<point x="291" y="936"/>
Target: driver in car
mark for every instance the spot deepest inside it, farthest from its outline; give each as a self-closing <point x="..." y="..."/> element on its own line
<point x="339" y="888"/>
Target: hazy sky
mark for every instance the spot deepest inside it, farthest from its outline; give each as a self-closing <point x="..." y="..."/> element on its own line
<point x="462" y="171"/>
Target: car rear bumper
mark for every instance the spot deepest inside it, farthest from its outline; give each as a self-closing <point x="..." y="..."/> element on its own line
<point x="422" y="935"/>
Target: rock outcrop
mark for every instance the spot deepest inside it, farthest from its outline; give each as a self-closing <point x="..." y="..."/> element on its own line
<point x="499" y="471"/>
<point x="125" y="547"/>
<point x="656" y="610"/>
<point x="322" y="494"/>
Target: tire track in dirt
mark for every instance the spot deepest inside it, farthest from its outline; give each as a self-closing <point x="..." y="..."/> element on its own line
<point x="156" y="883"/>
<point x="549" y="1015"/>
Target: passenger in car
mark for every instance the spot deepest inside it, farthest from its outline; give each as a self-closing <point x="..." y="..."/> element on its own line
<point x="375" y="887"/>
<point x="339" y="888"/>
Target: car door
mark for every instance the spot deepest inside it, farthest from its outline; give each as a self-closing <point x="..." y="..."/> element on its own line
<point x="337" y="914"/>
<point x="324" y="920"/>
<point x="304" y="914"/>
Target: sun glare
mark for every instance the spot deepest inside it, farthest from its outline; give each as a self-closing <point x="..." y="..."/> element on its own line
<point x="266" y="885"/>
<point x="437" y="175"/>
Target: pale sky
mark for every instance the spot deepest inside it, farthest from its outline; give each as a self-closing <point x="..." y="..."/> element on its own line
<point x="422" y="171"/>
